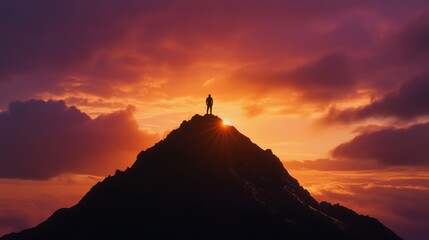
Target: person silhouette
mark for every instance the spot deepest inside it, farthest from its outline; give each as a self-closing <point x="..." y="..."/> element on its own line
<point x="209" y="103"/>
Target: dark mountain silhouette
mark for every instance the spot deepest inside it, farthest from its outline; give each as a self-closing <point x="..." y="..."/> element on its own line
<point x="204" y="181"/>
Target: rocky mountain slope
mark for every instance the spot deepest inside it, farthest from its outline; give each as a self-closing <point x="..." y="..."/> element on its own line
<point x="204" y="181"/>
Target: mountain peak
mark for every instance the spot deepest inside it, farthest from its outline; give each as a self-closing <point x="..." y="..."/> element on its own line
<point x="205" y="180"/>
<point x="205" y="145"/>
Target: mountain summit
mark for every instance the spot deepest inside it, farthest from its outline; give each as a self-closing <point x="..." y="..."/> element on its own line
<point x="205" y="180"/>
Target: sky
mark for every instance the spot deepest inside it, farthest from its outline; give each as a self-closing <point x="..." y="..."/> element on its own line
<point x="337" y="89"/>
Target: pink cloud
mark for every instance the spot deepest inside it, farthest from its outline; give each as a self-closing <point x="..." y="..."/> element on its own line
<point x="47" y="46"/>
<point x="409" y="102"/>
<point x="378" y="148"/>
<point x="43" y="139"/>
<point x="388" y="147"/>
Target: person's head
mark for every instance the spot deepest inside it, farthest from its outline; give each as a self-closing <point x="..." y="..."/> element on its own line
<point x="210" y="95"/>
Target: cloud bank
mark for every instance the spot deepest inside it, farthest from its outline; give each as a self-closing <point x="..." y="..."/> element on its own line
<point x="301" y="52"/>
<point x="389" y="147"/>
<point x="41" y="139"/>
<point x="409" y="102"/>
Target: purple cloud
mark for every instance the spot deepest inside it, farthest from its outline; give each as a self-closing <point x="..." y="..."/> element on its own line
<point x="409" y="102"/>
<point x="46" y="45"/>
<point x="388" y="147"/>
<point x="43" y="139"/>
<point x="327" y="78"/>
<point x="323" y="80"/>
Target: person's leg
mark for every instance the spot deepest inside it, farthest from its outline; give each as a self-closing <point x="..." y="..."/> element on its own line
<point x="211" y="109"/>
<point x="207" y="111"/>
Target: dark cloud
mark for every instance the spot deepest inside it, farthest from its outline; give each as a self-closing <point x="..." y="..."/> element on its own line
<point x="398" y="52"/>
<point x="42" y="139"/>
<point x="375" y="147"/>
<point x="309" y="51"/>
<point x="415" y="38"/>
<point x="325" y="79"/>
<point x="409" y="46"/>
<point x="56" y="35"/>
<point x="388" y="147"/>
<point x="97" y="48"/>
<point x="409" y="102"/>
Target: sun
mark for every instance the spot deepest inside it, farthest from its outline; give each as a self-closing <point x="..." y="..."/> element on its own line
<point x="226" y="123"/>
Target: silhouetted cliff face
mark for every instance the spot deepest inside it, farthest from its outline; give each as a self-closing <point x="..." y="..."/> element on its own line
<point x="204" y="181"/>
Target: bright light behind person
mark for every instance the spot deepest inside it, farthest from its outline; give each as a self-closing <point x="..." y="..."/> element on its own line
<point x="226" y="123"/>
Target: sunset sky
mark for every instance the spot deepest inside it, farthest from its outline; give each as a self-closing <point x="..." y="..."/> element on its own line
<point x="338" y="89"/>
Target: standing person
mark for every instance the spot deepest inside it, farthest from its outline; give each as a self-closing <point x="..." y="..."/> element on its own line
<point x="209" y="103"/>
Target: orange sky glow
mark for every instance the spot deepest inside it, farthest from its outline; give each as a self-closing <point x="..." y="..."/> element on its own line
<point x="338" y="91"/>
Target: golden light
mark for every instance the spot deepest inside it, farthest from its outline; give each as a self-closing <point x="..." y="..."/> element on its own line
<point x="226" y="122"/>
